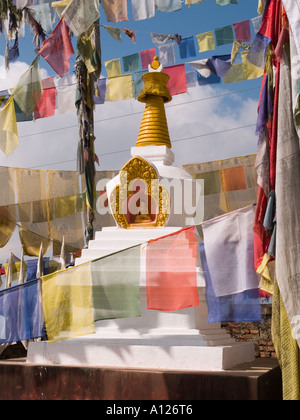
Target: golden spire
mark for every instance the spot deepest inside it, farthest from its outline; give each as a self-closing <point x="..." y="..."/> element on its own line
<point x="154" y="127"/>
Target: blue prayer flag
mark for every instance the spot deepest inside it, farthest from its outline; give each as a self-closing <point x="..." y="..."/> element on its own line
<point x="240" y="307"/>
<point x="21" y="313"/>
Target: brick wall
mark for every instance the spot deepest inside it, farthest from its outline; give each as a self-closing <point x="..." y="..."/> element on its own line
<point x="257" y="332"/>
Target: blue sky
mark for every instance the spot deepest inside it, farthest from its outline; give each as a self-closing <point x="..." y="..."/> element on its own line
<point x="202" y="111"/>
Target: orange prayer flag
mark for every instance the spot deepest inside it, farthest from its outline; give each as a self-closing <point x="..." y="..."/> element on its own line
<point x="233" y="179"/>
<point x="171" y="278"/>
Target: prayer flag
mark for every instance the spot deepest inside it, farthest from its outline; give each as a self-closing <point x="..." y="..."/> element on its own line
<point x="147" y="57"/>
<point x="189" y="2"/>
<point x="167" y="54"/>
<point x="206" y="41"/>
<point x="225" y="2"/>
<point x="80" y="15"/>
<point x="233" y="179"/>
<point x="143" y="9"/>
<point x="66" y="89"/>
<point x="240" y="307"/>
<point x="171" y="279"/>
<point x="21" y="313"/>
<point x="201" y="67"/>
<point x="130" y="33"/>
<point x="57" y="49"/>
<point x="113" y="67"/>
<point x="235" y="74"/>
<point x="131" y="62"/>
<point x="138" y="82"/>
<point x="115" y="285"/>
<point x="115" y="11"/>
<point x="251" y="71"/>
<point x="9" y="139"/>
<point x="67" y="303"/>
<point x="46" y="106"/>
<point x="177" y="81"/>
<point x="256" y="22"/>
<point x="219" y="64"/>
<point x="224" y="35"/>
<point x="120" y="88"/>
<point x="187" y="48"/>
<point x="229" y="248"/>
<point x="114" y="32"/>
<point x="242" y="31"/>
<point x="29" y="89"/>
<point x="168" y="5"/>
<point x="102" y="91"/>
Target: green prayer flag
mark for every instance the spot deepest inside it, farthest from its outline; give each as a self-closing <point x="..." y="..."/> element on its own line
<point x="29" y="89"/>
<point x="224" y="35"/>
<point x="131" y="62"/>
<point x="225" y="2"/>
<point x="115" y="285"/>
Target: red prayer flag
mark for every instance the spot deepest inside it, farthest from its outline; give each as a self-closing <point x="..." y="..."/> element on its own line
<point x="46" y="106"/>
<point x="171" y="278"/>
<point x="242" y="31"/>
<point x="177" y="83"/>
<point x="147" y="57"/>
<point x="58" y="48"/>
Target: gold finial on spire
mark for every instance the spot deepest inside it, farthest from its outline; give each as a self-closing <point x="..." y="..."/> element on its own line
<point x="155" y="66"/>
<point x="154" y="127"/>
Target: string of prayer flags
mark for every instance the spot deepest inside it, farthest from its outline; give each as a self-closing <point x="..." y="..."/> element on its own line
<point x="187" y="48"/>
<point x="46" y="106"/>
<point x="171" y="279"/>
<point x="29" y="89"/>
<point x="9" y="139"/>
<point x="67" y="303"/>
<point x="206" y="41"/>
<point x="224" y="35"/>
<point x="147" y="57"/>
<point x="119" y="88"/>
<point x="242" y="31"/>
<point x="21" y="313"/>
<point x="143" y="9"/>
<point x="229" y="248"/>
<point x="80" y="15"/>
<point x="115" y="11"/>
<point x="113" y="67"/>
<point x="177" y="81"/>
<point x="168" y="5"/>
<point x="240" y="307"/>
<point x="131" y="62"/>
<point x="115" y="285"/>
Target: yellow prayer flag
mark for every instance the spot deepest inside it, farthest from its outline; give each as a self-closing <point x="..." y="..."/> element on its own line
<point x="9" y="139"/>
<point x="67" y="303"/>
<point x="113" y="67"/>
<point x="250" y="70"/>
<point x="235" y="74"/>
<point x="206" y="41"/>
<point x="119" y="88"/>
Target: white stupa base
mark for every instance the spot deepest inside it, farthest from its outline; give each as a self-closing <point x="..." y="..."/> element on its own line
<point x="180" y="340"/>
